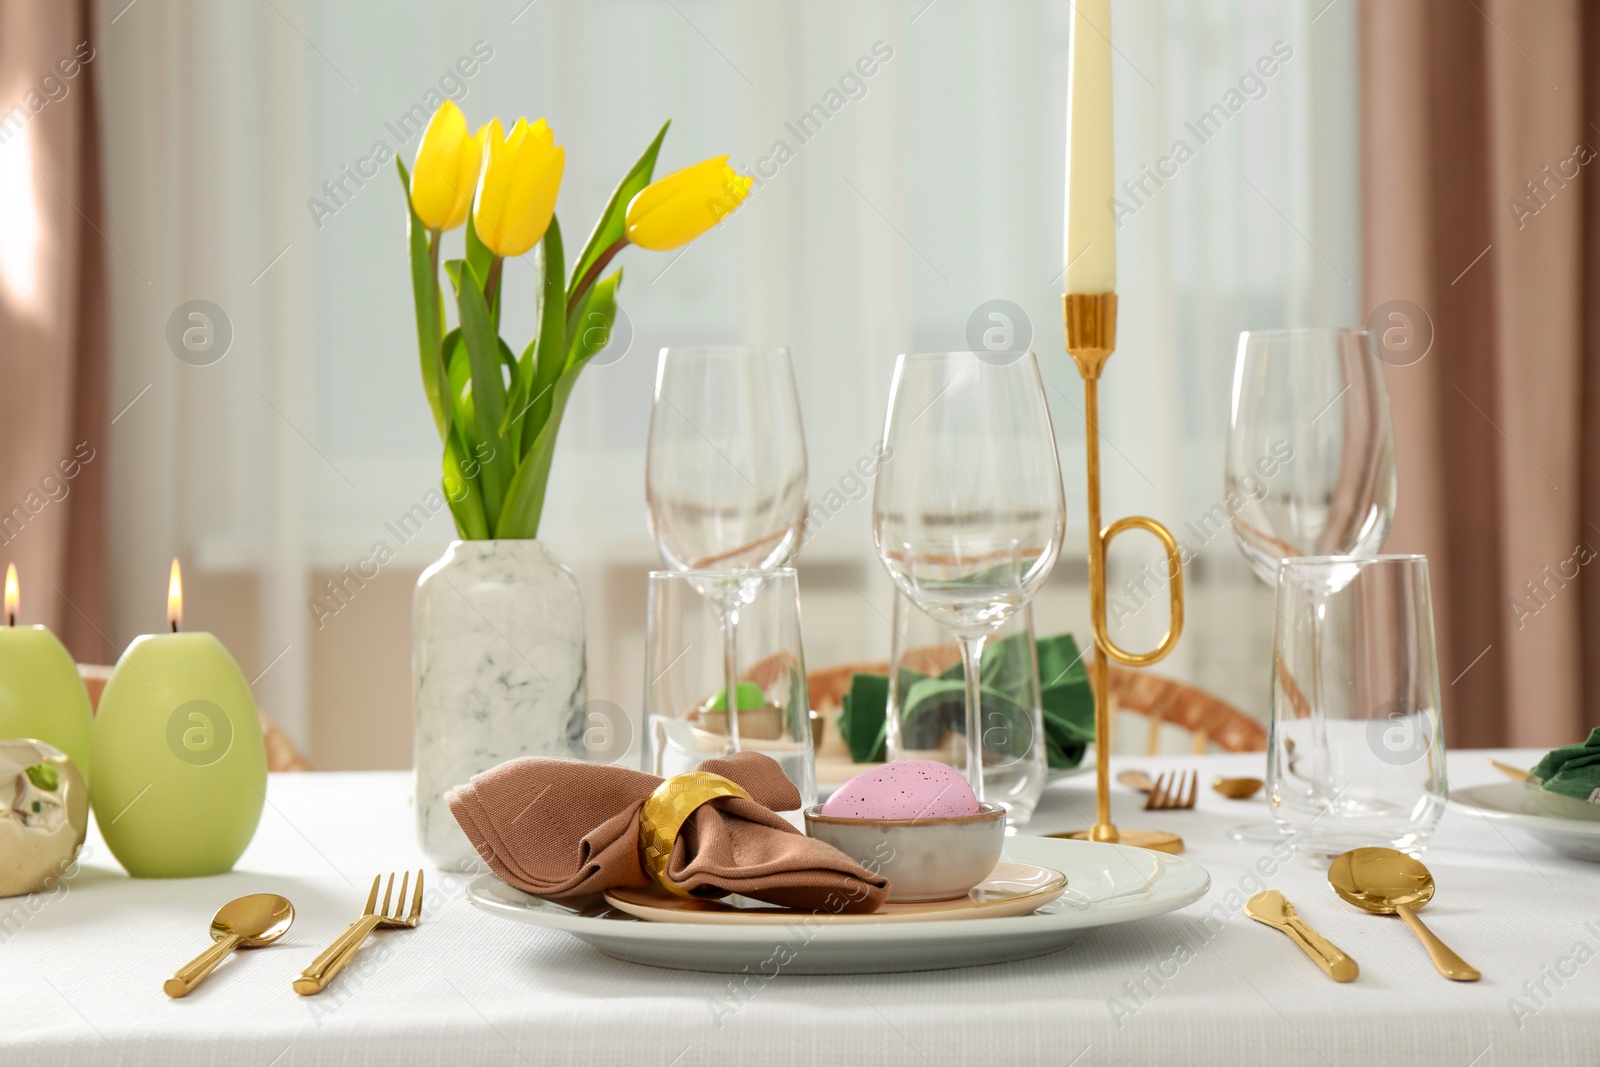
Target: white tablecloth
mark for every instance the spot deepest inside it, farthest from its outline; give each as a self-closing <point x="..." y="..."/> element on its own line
<point x="82" y="969"/>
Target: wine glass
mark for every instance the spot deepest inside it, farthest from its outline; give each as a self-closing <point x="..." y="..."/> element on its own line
<point x="968" y="512"/>
<point x="725" y="476"/>
<point x="926" y="707"/>
<point x="687" y="714"/>
<point x="1310" y="469"/>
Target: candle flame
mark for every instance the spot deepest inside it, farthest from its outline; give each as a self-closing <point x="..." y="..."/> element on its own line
<point x="13" y="597"/>
<point x="175" y="596"/>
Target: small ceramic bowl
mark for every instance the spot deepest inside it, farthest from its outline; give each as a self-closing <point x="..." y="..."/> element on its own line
<point x="924" y="859"/>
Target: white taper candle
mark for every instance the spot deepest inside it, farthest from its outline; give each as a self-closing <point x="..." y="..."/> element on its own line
<point x="1091" y="237"/>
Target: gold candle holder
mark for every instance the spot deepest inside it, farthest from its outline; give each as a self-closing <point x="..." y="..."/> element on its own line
<point x="1091" y="325"/>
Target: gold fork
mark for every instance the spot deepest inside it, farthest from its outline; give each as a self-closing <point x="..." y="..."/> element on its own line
<point x="315" y="978"/>
<point x="1173" y="791"/>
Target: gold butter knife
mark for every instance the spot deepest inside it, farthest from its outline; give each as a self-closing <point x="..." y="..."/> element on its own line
<point x="1272" y="908"/>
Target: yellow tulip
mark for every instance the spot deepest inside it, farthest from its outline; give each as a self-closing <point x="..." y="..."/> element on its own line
<point x="517" y="195"/>
<point x="680" y="207"/>
<point x="446" y="169"/>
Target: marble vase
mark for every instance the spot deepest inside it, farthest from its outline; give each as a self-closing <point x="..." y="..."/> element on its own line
<point x="497" y="671"/>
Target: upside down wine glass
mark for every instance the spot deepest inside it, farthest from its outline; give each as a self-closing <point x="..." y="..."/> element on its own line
<point x="968" y="513"/>
<point x="725" y="480"/>
<point x="1310" y="469"/>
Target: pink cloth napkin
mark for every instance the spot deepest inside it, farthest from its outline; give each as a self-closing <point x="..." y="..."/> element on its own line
<point x="567" y="831"/>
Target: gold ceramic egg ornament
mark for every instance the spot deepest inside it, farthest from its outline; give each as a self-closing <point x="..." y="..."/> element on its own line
<point x="44" y="815"/>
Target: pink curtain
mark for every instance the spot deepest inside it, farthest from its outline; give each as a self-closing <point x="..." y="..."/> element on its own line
<point x="53" y="419"/>
<point x="1480" y="136"/>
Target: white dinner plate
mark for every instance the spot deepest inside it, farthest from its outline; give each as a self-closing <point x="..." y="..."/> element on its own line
<point x="1106" y="884"/>
<point x="1011" y="889"/>
<point x="1509" y="804"/>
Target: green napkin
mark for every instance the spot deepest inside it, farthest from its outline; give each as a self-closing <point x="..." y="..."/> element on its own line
<point x="1573" y="770"/>
<point x="1067" y="701"/>
<point x="861" y="718"/>
<point x="934" y="705"/>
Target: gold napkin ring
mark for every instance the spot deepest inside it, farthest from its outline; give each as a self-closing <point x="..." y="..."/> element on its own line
<point x="665" y="812"/>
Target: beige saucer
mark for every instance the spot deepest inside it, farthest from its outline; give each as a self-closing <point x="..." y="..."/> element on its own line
<point x="1013" y="889"/>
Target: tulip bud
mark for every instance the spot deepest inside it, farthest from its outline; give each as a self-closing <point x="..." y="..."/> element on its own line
<point x="680" y="207"/>
<point x="517" y="194"/>
<point x="446" y="169"/>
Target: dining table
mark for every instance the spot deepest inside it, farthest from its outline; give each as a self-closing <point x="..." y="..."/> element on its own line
<point x="84" y="962"/>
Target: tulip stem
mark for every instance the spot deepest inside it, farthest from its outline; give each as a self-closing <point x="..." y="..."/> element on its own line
<point x="592" y="273"/>
<point x="446" y="405"/>
<point x="492" y="284"/>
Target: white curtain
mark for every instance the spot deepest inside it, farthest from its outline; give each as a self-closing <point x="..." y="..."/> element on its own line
<point x="241" y="145"/>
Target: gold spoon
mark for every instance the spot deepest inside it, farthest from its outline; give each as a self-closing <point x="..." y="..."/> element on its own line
<point x="1385" y="881"/>
<point x="248" y="922"/>
<point x="1238" y="788"/>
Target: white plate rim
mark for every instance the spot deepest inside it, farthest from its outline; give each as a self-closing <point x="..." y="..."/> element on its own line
<point x="1186" y="882"/>
<point x="1480" y="802"/>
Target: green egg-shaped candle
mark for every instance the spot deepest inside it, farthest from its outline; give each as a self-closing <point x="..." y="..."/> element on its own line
<point x="42" y="696"/>
<point x="180" y="765"/>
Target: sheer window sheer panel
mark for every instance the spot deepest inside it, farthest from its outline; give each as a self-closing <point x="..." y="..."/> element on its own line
<point x="899" y="203"/>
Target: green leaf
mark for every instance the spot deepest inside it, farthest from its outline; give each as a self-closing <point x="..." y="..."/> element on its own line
<point x="478" y="255"/>
<point x="461" y="488"/>
<point x="517" y="424"/>
<point x="480" y="259"/>
<point x="525" y="497"/>
<point x="457" y="367"/>
<point x="426" y="297"/>
<point x="591" y="325"/>
<point x="510" y="427"/>
<point x="524" y="500"/>
<point x="613" y="220"/>
<point x="488" y="390"/>
<point x="460" y="372"/>
<point x="551" y="355"/>
<point x="462" y="492"/>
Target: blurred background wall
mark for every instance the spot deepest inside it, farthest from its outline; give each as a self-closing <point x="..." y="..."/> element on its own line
<point x="248" y="159"/>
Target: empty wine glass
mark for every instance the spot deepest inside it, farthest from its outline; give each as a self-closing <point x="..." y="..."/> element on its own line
<point x="1310" y="468"/>
<point x="968" y="512"/>
<point x="725" y="477"/>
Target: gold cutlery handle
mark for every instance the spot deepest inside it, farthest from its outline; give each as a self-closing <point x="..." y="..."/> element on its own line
<point x="1324" y="953"/>
<point x="1445" y="961"/>
<point x="1514" y="773"/>
<point x="192" y="973"/>
<point x="315" y="978"/>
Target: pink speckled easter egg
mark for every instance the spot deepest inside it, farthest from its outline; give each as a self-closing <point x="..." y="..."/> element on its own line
<point x="904" y="789"/>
